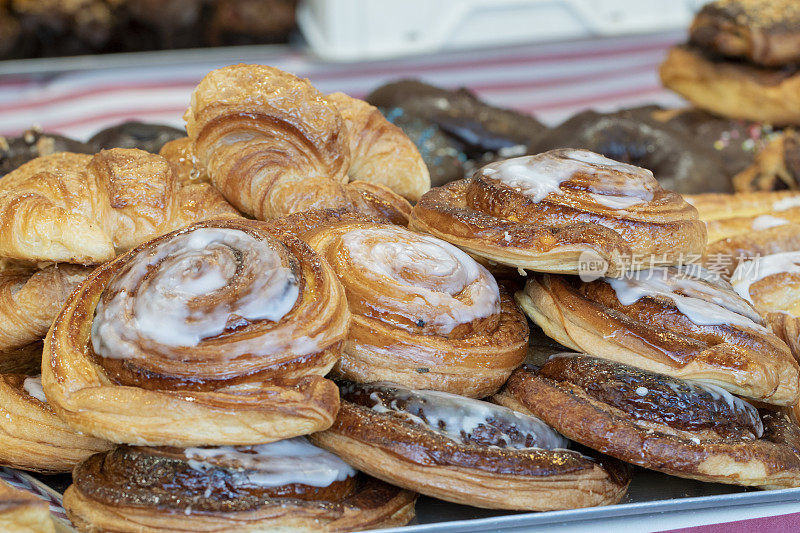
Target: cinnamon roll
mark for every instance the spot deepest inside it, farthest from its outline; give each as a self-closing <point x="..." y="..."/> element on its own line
<point x="216" y="334"/>
<point x="273" y="145"/>
<point x="288" y="485"/>
<point x="545" y="212"/>
<point x="425" y="314"/>
<point x="466" y="451"/>
<point x="32" y="437"/>
<point x="22" y="512"/>
<point x="683" y="428"/>
<point x="684" y="324"/>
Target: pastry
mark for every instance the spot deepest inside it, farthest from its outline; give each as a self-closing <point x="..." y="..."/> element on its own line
<point x="216" y="334"/>
<point x="551" y="211"/>
<point x="283" y="486"/>
<point x="180" y="155"/>
<point x="776" y="167"/>
<point x="682" y="428"/>
<point x="85" y="209"/>
<point x="133" y="134"/>
<point x="681" y="322"/>
<point x="29" y="301"/>
<point x="273" y="145"/>
<point x="33" y="143"/>
<point x="32" y="437"/>
<point x="762" y="32"/>
<point x="425" y="314"/>
<point x="466" y="451"/>
<point x="22" y="512"/>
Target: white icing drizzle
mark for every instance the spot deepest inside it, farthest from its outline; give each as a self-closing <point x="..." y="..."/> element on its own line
<point x="617" y="185"/>
<point x="749" y="272"/>
<point x="735" y="403"/>
<point x="642" y="391"/>
<point x="767" y="221"/>
<point x="444" y="286"/>
<point x="276" y="464"/>
<point x="156" y="305"/>
<point x="456" y="417"/>
<point x="33" y="386"/>
<point x="786" y="203"/>
<point x="700" y="302"/>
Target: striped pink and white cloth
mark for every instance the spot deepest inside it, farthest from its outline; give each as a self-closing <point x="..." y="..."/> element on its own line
<point x="551" y="80"/>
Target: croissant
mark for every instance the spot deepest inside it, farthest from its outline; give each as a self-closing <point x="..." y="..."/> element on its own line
<point x="555" y="211"/>
<point x="180" y="156"/>
<point x="216" y="334"/>
<point x="425" y="314"/>
<point x="85" y="209"/>
<point x="273" y="145"/>
<point x="672" y="321"/>
<point x="29" y="301"/>
<point x="21" y="511"/>
<point x="32" y="437"/>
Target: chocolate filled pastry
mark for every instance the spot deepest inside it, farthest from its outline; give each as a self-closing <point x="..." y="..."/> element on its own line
<point x="33" y="143"/>
<point x="681" y="322"/>
<point x="216" y="334"/>
<point x="550" y="212"/>
<point x="682" y="428"/>
<point x="425" y="314"/>
<point x="133" y="134"/>
<point x="288" y="485"/>
<point x="274" y="145"/>
<point x="776" y="167"/>
<point x="29" y="301"/>
<point x="22" y="512"/>
<point x="32" y="437"/>
<point x="466" y="451"/>
<point x="86" y="209"/>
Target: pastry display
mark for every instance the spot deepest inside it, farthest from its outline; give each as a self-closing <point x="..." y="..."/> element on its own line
<point x="131" y="134"/>
<point x="32" y="437"/>
<point x="289" y="485"/>
<point x="22" y="512"/>
<point x="546" y="212"/>
<point x="216" y="334"/>
<point x="704" y="331"/>
<point x="273" y="145"/>
<point x="425" y="314"/>
<point x="741" y="61"/>
<point x="682" y="428"/>
<point x="466" y="451"/>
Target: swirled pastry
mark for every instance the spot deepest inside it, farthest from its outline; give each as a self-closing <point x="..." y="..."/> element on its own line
<point x="29" y="301"/>
<point x="22" y="512"/>
<point x="85" y="209"/>
<point x="682" y="428"/>
<point x="543" y="212"/>
<point x="425" y="314"/>
<point x="466" y="451"/>
<point x="273" y="145"/>
<point x="32" y="437"/>
<point x="669" y="321"/>
<point x="288" y="485"/>
<point x="216" y="334"/>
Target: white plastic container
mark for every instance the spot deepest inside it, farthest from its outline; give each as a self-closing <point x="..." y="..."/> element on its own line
<point x="347" y="30"/>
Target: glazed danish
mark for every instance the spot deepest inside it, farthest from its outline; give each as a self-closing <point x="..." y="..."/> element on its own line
<point x="273" y="145"/>
<point x="288" y="485"/>
<point x="682" y="428"/>
<point x="466" y="451"/>
<point x="32" y="437"/>
<point x="216" y="334"/>
<point x="543" y="212"/>
<point x="425" y="314"/>
<point x="669" y="321"/>
<point x="22" y="512"/>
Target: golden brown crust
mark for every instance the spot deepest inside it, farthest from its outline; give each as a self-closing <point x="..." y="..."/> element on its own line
<point x="776" y="166"/>
<point x="417" y="458"/>
<point x="204" y="393"/>
<point x="180" y="155"/>
<point x="22" y="512"/>
<point x="733" y="89"/>
<point x="29" y="301"/>
<point x="653" y="334"/>
<point x="769" y="462"/>
<point x="489" y="219"/>
<point x="725" y="254"/>
<point x="32" y="437"/>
